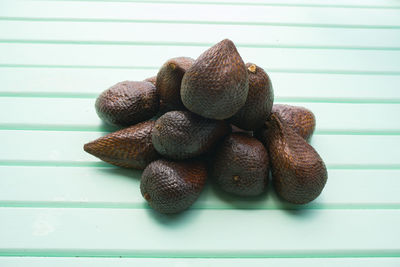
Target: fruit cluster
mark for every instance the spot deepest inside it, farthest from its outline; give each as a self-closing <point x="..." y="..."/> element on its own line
<point x="216" y="119"/>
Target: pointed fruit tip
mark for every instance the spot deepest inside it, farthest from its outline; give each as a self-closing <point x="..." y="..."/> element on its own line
<point x="226" y="43"/>
<point x="88" y="147"/>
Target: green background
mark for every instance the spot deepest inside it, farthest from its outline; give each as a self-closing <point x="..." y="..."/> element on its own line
<point x="62" y="207"/>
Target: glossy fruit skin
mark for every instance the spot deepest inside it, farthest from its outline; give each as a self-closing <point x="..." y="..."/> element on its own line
<point x="216" y="85"/>
<point x="128" y="103"/>
<point x="152" y="80"/>
<point x="171" y="187"/>
<point x="298" y="172"/>
<point x="259" y="100"/>
<point x="169" y="79"/>
<point x="241" y="165"/>
<point x="300" y="119"/>
<point x="129" y="148"/>
<point x="183" y="135"/>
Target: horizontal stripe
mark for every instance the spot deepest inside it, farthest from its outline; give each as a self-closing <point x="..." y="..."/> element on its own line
<point x="336" y="150"/>
<point x="100" y="164"/>
<point x="21" y="186"/>
<point x="32" y="261"/>
<point x="233" y="255"/>
<point x="55" y="114"/>
<point x="249" y="3"/>
<point x="97" y="205"/>
<point x="250" y="23"/>
<point x="178" y="12"/>
<point x="281" y="99"/>
<point x="144" y="233"/>
<point x="280" y="70"/>
<point x="75" y="128"/>
<point x="144" y="43"/>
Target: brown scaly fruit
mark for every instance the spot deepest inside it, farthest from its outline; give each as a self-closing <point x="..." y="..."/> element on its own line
<point x="259" y="100"/>
<point x="169" y="80"/>
<point x="182" y="134"/>
<point x="152" y="80"/>
<point x="128" y="103"/>
<point x="129" y="148"/>
<point x="300" y="119"/>
<point x="217" y="83"/>
<point x="241" y="165"/>
<point x="171" y="187"/>
<point x="298" y="172"/>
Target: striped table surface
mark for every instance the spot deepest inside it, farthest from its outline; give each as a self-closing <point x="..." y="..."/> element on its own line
<point x="62" y="207"/>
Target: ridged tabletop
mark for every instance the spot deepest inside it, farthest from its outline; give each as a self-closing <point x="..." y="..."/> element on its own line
<point x="60" y="206"/>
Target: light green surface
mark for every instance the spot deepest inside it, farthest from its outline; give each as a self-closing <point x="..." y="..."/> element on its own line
<point x="341" y="59"/>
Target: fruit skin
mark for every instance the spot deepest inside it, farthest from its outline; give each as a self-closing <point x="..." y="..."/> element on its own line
<point x="129" y="148"/>
<point x="171" y="187"/>
<point x="152" y="80"/>
<point x="216" y="85"/>
<point x="300" y="119"/>
<point x="183" y="135"/>
<point x="259" y="100"/>
<point x="127" y="103"/>
<point x="298" y="172"/>
<point x="169" y="80"/>
<point x="241" y="165"/>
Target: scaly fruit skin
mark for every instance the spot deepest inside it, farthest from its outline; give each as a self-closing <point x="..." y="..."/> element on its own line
<point x="129" y="148"/>
<point x="217" y="83"/>
<point x="183" y="135"/>
<point x="298" y="172"/>
<point x="300" y="119"/>
<point x="171" y="187"/>
<point x="169" y="79"/>
<point x="128" y="103"/>
<point x="259" y="100"/>
<point x="241" y="165"/>
<point x="152" y="80"/>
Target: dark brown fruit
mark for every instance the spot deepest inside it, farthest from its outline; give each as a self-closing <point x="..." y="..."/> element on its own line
<point x="130" y="147"/>
<point x="259" y="100"/>
<point x="151" y="80"/>
<point x="127" y="103"/>
<point x="216" y="85"/>
<point x="300" y="119"/>
<point x="241" y="165"/>
<point x="298" y="172"/>
<point x="169" y="80"/>
<point x="171" y="187"/>
<point x="182" y="134"/>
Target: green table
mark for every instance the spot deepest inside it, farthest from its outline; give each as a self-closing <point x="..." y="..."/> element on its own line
<point x="62" y="207"/>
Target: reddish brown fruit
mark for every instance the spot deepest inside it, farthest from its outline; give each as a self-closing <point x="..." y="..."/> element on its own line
<point x="300" y="119"/>
<point x="216" y="85"/>
<point x="259" y="100"/>
<point x="298" y="172"/>
<point x="169" y="79"/>
<point x="128" y="103"/>
<point x="151" y="80"/>
<point x="171" y="187"/>
<point x="129" y="148"/>
<point x="241" y="165"/>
